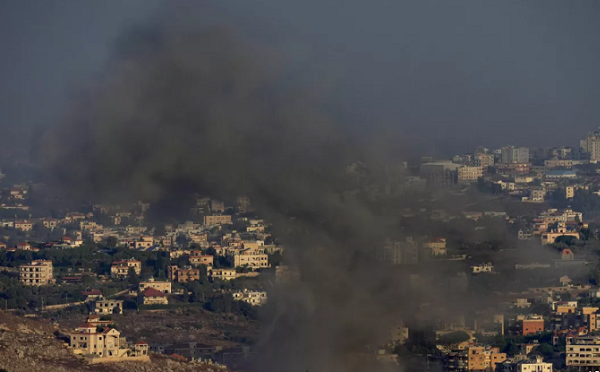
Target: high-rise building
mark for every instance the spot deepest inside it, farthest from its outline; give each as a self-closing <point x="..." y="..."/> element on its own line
<point x="590" y="145"/>
<point x="511" y="154"/>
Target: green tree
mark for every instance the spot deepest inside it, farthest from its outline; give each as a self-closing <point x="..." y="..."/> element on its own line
<point x="511" y="348"/>
<point x="132" y="277"/>
<point x="112" y="241"/>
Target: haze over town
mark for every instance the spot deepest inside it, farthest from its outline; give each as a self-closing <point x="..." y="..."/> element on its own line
<point x="273" y="186"/>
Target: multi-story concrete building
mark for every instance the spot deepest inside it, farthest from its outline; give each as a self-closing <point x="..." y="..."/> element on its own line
<point x="468" y="174"/>
<point x="512" y="169"/>
<point x="590" y="145"/>
<point x="583" y="352"/>
<point x="120" y="269"/>
<point x="534" y="364"/>
<point x="97" y="340"/>
<point x="484" y="160"/>
<point x="483" y="358"/>
<point x="530" y="324"/>
<point x="250" y="258"/>
<point x="558" y="164"/>
<point x="92" y="339"/>
<point x="442" y="173"/>
<point x="569" y="192"/>
<point x="537" y="195"/>
<point x="163" y="286"/>
<point x="223" y="274"/>
<point x="37" y="272"/>
<point x="511" y="154"/>
<point x="254" y="298"/>
<point x="182" y="275"/>
<point x="549" y="237"/>
<point x="206" y="260"/>
<point x="474" y="358"/>
<point x="217" y="220"/>
<point x="105" y="306"/>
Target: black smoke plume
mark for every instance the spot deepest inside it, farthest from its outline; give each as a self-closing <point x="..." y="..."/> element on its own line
<point x="191" y="106"/>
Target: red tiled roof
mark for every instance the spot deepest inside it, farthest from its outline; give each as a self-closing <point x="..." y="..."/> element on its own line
<point x="566" y="251"/>
<point x="86" y="325"/>
<point x="141" y="343"/>
<point x="151" y="292"/>
<point x="179" y="357"/>
<point x="93" y="292"/>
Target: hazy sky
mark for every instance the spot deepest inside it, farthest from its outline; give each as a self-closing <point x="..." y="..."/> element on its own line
<point x="463" y="72"/>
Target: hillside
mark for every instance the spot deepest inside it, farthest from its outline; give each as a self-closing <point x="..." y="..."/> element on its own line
<point x="170" y="326"/>
<point x="29" y="345"/>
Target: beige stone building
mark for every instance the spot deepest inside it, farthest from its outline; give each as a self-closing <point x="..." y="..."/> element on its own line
<point x="96" y="340"/>
<point x="151" y="296"/>
<point x="482" y="358"/>
<point x="206" y="260"/>
<point x="120" y="269"/>
<point x="549" y="237"/>
<point x="254" y="298"/>
<point x="37" y="272"/>
<point x="105" y="306"/>
<point x="569" y="192"/>
<point x="24" y="225"/>
<point x="198" y="238"/>
<point x="223" y="274"/>
<point x="250" y="258"/>
<point x="163" y="286"/>
<point x="583" y="352"/>
<point x="437" y="246"/>
<point x="217" y="220"/>
<point x="142" y="242"/>
<point x="469" y="174"/>
<point x="558" y="163"/>
<point x="182" y="275"/>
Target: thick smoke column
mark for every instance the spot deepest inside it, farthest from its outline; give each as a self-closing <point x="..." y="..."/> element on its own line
<point x="189" y="107"/>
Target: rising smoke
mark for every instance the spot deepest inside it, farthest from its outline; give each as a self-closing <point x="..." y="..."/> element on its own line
<point x="188" y="106"/>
